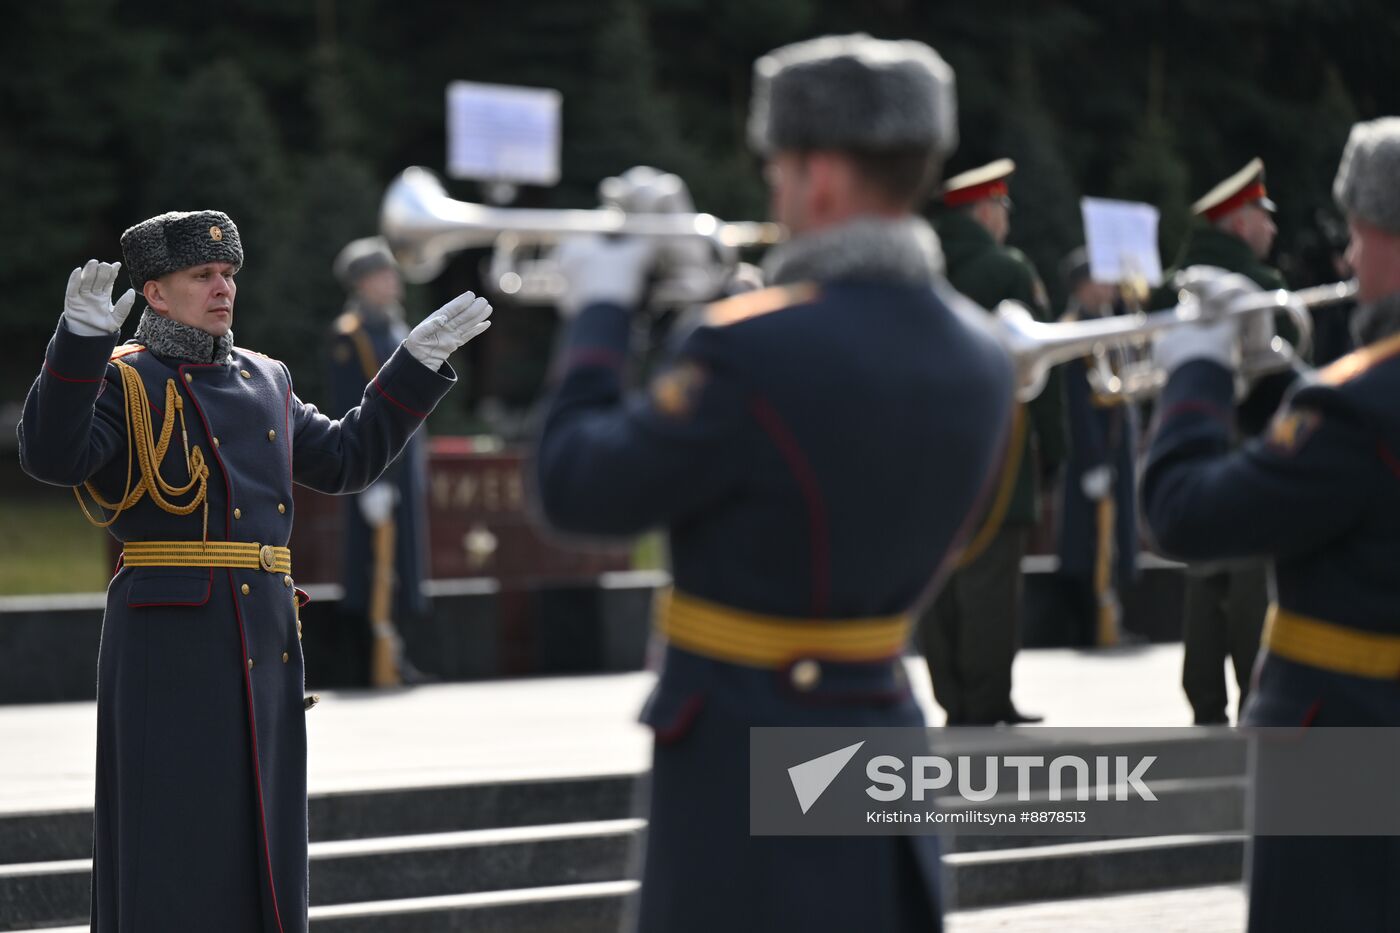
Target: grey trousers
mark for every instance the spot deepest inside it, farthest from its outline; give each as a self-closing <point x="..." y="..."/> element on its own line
<point x="971" y="632"/>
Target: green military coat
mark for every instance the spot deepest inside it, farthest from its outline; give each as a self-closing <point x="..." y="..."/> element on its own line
<point x="989" y="273"/>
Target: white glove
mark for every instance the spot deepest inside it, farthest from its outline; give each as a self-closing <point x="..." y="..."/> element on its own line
<point x="1095" y="482"/>
<point x="1216" y="337"/>
<point x="87" y="306"/>
<point x="600" y="269"/>
<point x="447" y="328"/>
<point x="377" y="503"/>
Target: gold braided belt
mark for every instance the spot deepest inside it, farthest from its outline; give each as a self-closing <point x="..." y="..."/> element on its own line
<point x="739" y="637"/>
<point x="239" y="555"/>
<point x="1332" y="647"/>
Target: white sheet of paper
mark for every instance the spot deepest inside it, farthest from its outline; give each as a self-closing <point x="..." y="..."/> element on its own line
<point x="500" y="133"/>
<point x="1121" y="239"/>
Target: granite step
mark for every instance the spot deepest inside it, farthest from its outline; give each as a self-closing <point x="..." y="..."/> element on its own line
<point x="57" y="835"/>
<point x="437" y="864"/>
<point x="1081" y="869"/>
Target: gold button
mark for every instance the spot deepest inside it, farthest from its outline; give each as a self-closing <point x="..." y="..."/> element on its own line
<point x="272" y="435"/>
<point x="250" y="664"/>
<point x="245" y="589"/>
<point x="281" y="509"/>
<point x="189" y="378"/>
<point x="216" y="442"/>
<point x="245" y="374"/>
<point x="287" y="579"/>
<point x="237" y="513"/>
<point x="806" y="674"/>
<point x="285" y="656"/>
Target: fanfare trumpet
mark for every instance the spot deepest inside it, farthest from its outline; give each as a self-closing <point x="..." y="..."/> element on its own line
<point x="423" y="226"/>
<point x="1036" y="346"/>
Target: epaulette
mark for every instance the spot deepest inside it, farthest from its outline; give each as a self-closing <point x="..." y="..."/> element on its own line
<point x="347" y="323"/>
<point x="754" y="304"/>
<point x="1359" y="361"/>
<point x="125" y="349"/>
<point x="256" y="353"/>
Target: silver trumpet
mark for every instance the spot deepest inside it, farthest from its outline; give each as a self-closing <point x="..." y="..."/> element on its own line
<point x="423" y="226"/>
<point x="1037" y="346"/>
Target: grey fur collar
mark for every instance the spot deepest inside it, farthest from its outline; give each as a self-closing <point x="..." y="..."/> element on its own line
<point x="1375" y="321"/>
<point x="900" y="252"/>
<point x="171" y="338"/>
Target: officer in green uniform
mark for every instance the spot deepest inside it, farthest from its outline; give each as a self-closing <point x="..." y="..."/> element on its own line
<point x="971" y="632"/>
<point x="1225" y="604"/>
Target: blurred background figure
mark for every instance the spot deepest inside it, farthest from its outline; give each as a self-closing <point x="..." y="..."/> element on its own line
<point x="384" y="546"/>
<point x="1223" y="615"/>
<point x="971" y="632"/>
<point x="1097" y="543"/>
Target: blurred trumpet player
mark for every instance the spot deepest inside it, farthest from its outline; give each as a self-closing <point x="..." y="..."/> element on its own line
<point x="1318" y="494"/>
<point x="815" y="451"/>
<point x="1097" y="543"/>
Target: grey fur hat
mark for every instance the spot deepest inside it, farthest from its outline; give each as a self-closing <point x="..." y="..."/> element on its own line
<point x="361" y="257"/>
<point x="177" y="240"/>
<point x="853" y="92"/>
<point x="1366" y="178"/>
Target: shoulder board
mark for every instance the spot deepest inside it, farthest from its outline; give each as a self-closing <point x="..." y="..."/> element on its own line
<point x="125" y="349"/>
<point x="1359" y="361"/>
<point x="347" y="323"/>
<point x="248" y="352"/>
<point x="755" y="304"/>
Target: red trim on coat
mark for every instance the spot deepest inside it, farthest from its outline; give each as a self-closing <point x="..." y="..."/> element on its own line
<point x="62" y="378"/>
<point x="243" y="640"/>
<point x="1389" y="459"/>
<point x="380" y="388"/>
<point x="287" y="428"/>
<point x="817" y="521"/>
<point x="253" y="732"/>
<point x="683" y="720"/>
<point x="592" y="356"/>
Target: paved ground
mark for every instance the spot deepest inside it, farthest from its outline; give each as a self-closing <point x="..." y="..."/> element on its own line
<point x="575" y="725"/>
<point x="544" y="726"/>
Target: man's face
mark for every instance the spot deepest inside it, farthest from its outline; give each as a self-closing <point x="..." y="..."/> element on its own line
<point x="994" y="214"/>
<point x="1255" y="226"/>
<point x="380" y="288"/>
<point x="1374" y="255"/>
<point x="200" y="296"/>
<point x="786" y="174"/>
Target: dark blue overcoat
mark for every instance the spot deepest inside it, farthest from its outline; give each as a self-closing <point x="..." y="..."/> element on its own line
<point x="201" y="741"/>
<point x="816" y="452"/>
<point x="1318" y="494"/>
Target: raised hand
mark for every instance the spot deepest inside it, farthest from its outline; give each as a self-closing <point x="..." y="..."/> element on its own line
<point x="87" y="305"/>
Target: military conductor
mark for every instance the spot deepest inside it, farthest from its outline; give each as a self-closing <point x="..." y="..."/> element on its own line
<point x="186" y="447"/>
<point x="815" y="450"/>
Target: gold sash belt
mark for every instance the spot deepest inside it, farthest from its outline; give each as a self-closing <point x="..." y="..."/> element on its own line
<point x="1332" y="647"/>
<point x="240" y="555"/>
<point x="738" y="637"/>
